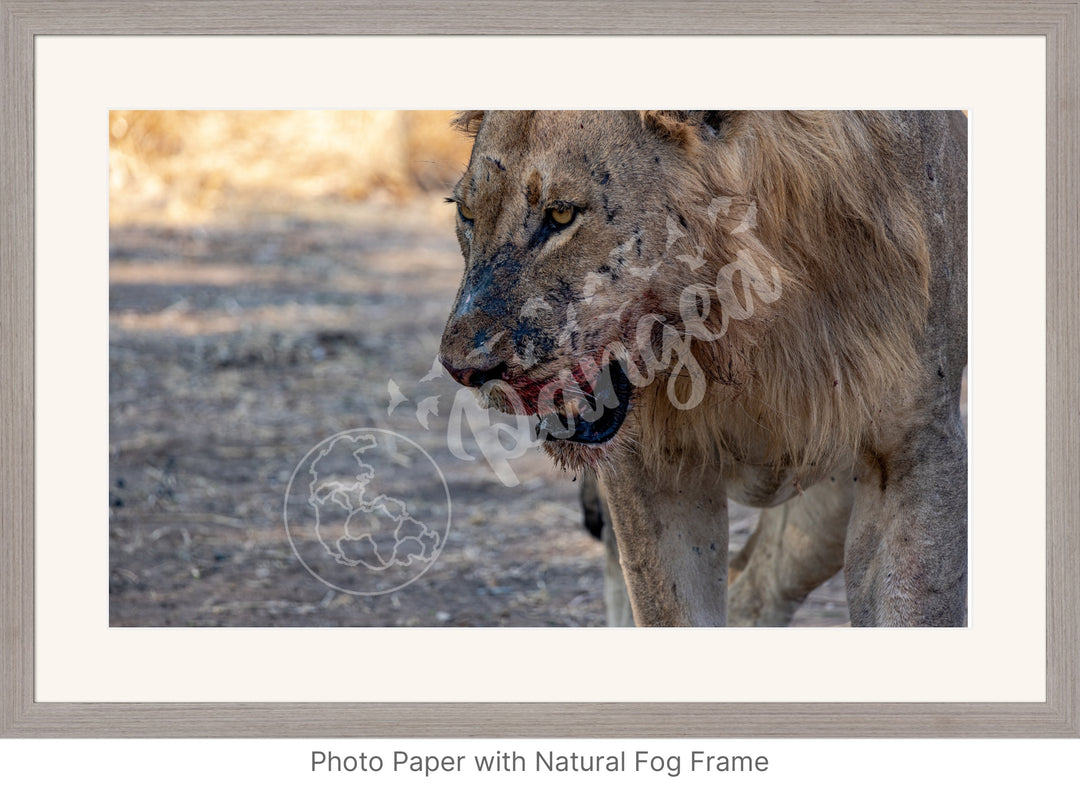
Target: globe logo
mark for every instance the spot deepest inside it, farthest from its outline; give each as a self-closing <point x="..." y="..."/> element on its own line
<point x="367" y="511"/>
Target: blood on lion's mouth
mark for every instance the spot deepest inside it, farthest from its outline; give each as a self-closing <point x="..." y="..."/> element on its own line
<point x="598" y="415"/>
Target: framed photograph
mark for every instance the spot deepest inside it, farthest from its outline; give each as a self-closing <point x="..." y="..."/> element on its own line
<point x="231" y="242"/>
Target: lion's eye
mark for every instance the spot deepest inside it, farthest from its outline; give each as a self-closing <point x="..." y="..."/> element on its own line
<point x="466" y="213"/>
<point x="561" y="216"/>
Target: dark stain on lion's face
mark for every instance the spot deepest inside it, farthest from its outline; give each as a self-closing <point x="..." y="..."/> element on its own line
<point x="748" y="270"/>
<point x="544" y="237"/>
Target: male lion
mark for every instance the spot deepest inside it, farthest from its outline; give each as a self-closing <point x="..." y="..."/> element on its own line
<point x="766" y="306"/>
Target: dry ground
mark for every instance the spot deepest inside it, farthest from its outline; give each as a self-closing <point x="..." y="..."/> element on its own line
<point x="240" y="338"/>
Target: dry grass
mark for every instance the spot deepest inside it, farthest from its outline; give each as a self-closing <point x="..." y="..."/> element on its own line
<point x="187" y="166"/>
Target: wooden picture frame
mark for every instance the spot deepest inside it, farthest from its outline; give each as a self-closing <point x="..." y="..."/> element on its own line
<point x="22" y="716"/>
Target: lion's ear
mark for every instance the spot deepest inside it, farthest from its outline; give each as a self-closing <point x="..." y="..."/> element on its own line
<point x="686" y="127"/>
<point x="468" y="122"/>
<point x="673" y="124"/>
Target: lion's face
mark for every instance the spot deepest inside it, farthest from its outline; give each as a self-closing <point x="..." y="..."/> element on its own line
<point x="562" y="221"/>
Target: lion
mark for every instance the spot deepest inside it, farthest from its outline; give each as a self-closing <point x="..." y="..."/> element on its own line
<point x="767" y="306"/>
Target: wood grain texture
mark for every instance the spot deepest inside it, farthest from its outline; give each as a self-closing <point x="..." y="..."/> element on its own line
<point x="540" y="17"/>
<point x="21" y="716"/>
<point x="1063" y="372"/>
<point x="16" y="373"/>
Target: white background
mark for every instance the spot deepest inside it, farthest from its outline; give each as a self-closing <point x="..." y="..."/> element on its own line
<point x="1000" y="657"/>
<point x="899" y="767"/>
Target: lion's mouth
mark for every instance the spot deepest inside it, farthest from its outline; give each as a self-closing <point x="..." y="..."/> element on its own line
<point x="596" y="416"/>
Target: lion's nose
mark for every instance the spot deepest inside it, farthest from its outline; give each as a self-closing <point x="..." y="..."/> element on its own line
<point x="475" y="376"/>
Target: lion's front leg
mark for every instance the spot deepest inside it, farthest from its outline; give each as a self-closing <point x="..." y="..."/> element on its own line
<point x="905" y="561"/>
<point x="598" y="523"/>
<point x="672" y="534"/>
<point x="796" y="547"/>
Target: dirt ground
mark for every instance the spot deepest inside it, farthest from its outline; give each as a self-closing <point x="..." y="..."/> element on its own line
<point x="237" y="344"/>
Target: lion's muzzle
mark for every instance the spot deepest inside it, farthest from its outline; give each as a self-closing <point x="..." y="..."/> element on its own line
<point x="599" y="411"/>
<point x="473" y="377"/>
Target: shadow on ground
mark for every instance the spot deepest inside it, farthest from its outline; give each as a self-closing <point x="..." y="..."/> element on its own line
<point x="235" y="349"/>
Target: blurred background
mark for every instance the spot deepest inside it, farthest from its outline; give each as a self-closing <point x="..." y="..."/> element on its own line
<point x="277" y="277"/>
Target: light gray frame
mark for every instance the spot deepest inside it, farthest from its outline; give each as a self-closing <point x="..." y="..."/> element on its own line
<point x="21" y="716"/>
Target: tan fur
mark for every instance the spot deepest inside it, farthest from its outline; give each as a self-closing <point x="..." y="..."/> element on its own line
<point x="806" y="234"/>
<point x="802" y="379"/>
<point x="844" y="238"/>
